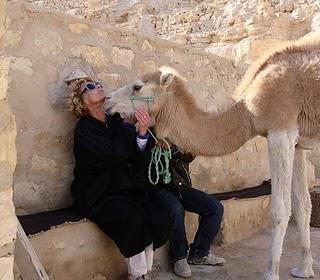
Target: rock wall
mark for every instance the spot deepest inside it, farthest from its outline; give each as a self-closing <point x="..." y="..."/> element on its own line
<point x="200" y="23"/>
<point x="8" y="225"/>
<point x="237" y="29"/>
<point x="45" y="47"/>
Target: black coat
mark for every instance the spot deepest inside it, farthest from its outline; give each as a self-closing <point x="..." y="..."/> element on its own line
<point x="107" y="188"/>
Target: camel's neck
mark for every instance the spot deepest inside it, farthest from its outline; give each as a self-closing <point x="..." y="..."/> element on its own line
<point x="203" y="133"/>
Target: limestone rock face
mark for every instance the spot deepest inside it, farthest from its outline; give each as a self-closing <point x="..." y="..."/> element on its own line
<point x="123" y="56"/>
<point x="236" y="33"/>
<point x="6" y="268"/>
<point x="201" y="23"/>
<point x="7" y="135"/>
<point x="44" y="141"/>
<point x="78" y="251"/>
<point x="8" y="160"/>
<point x="7" y="215"/>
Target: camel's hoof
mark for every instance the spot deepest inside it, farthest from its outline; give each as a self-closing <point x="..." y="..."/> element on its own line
<point x="297" y="272"/>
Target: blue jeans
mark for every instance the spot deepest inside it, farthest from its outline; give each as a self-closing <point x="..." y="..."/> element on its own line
<point x="206" y="206"/>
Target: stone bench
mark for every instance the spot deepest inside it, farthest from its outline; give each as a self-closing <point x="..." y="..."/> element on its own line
<point x="71" y="247"/>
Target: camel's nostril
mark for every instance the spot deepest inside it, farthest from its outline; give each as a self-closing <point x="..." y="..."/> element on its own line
<point x="137" y="87"/>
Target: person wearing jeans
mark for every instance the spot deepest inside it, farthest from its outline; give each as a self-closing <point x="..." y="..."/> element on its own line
<point x="175" y="198"/>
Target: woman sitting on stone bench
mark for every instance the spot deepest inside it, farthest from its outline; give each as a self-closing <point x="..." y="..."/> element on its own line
<point x="107" y="189"/>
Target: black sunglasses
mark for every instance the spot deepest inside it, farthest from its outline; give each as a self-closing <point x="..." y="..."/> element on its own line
<point x="90" y="86"/>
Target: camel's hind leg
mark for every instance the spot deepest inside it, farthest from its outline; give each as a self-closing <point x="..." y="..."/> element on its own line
<point x="281" y="154"/>
<point x="302" y="210"/>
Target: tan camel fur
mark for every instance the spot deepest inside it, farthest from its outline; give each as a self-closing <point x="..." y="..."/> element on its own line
<point x="279" y="98"/>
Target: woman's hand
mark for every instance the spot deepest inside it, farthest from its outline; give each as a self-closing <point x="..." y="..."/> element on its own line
<point x="144" y="120"/>
<point x="131" y="119"/>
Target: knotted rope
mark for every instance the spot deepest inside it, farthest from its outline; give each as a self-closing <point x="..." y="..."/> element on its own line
<point x="157" y="152"/>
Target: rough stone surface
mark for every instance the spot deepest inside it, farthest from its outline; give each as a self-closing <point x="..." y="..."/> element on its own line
<point x="81" y="250"/>
<point x="6" y="268"/>
<point x="8" y="159"/>
<point x="116" y="56"/>
<point x="111" y="80"/>
<point x="248" y="259"/>
<point x="2" y="17"/>
<point x="200" y="23"/>
<point x="44" y="48"/>
<point x="92" y="55"/>
<point x="23" y="65"/>
<point x="62" y="249"/>
<point x="4" y="72"/>
<point x="78" y="27"/>
<point x="44" y="172"/>
<point x="242" y="218"/>
<point x="8" y="224"/>
<point x="147" y="66"/>
<point x="123" y="56"/>
<point x="78" y="251"/>
<point x="49" y="42"/>
<point x="7" y="135"/>
<point x="7" y="214"/>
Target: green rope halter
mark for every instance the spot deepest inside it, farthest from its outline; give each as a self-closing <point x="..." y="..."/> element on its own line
<point x="156" y="152"/>
<point x="148" y="99"/>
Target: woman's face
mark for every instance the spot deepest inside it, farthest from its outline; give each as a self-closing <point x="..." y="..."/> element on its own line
<point x="92" y="93"/>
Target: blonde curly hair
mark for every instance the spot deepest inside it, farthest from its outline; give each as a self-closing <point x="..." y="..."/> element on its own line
<point x="75" y="103"/>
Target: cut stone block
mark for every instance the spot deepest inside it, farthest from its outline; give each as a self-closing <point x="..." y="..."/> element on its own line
<point x="8" y="132"/>
<point x="5" y="176"/>
<point x="242" y="218"/>
<point x="4" y="67"/>
<point x="6" y="268"/>
<point x="78" y="251"/>
<point x="8" y="225"/>
<point x="81" y="249"/>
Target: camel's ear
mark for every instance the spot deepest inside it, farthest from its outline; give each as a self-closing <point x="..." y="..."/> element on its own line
<point x="166" y="79"/>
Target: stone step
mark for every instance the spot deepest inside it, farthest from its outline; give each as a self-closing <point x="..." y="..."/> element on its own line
<point x="78" y="249"/>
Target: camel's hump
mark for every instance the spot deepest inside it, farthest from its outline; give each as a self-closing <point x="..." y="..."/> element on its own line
<point x="305" y="44"/>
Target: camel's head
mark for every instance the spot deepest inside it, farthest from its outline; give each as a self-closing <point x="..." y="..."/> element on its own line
<point x="152" y="90"/>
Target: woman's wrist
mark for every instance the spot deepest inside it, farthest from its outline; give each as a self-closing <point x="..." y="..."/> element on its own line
<point x="142" y="131"/>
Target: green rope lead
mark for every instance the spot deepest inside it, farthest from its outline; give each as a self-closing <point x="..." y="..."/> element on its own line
<point x="156" y="154"/>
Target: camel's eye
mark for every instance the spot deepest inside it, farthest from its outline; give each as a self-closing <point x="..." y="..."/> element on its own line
<point x="137" y="87"/>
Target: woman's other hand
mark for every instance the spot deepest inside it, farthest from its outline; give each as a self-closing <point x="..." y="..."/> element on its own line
<point x="144" y="120"/>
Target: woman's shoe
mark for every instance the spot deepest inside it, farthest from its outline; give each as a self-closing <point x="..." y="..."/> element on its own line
<point x="181" y="268"/>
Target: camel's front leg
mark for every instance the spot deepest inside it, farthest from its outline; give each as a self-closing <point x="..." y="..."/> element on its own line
<point x="302" y="211"/>
<point x="281" y="153"/>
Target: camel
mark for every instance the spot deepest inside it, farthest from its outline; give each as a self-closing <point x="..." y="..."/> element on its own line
<point x="278" y="98"/>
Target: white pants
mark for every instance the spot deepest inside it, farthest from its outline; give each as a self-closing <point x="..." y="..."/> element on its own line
<point x="141" y="263"/>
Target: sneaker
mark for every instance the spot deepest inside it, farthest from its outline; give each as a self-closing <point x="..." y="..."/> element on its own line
<point x="210" y="259"/>
<point x="181" y="268"/>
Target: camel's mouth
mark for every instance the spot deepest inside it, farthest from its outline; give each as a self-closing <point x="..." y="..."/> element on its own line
<point x="123" y="110"/>
<point x="108" y="107"/>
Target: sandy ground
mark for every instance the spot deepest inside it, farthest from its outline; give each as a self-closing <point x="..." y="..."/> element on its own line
<point x="249" y="259"/>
